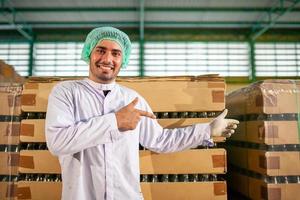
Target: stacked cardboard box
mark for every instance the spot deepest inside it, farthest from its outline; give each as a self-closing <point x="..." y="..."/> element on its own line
<point x="264" y="154"/>
<point x="192" y="174"/>
<point x="10" y="111"/>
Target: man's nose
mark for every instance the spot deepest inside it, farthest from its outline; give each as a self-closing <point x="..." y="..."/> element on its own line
<point x="107" y="57"/>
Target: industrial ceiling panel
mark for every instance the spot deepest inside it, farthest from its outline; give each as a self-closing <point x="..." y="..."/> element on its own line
<point x="79" y="17"/>
<point x="210" y="3"/>
<point x="155" y="13"/>
<point x="73" y="3"/>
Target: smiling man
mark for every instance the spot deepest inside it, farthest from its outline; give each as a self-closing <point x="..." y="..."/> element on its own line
<point x="105" y="61"/>
<point x="95" y="126"/>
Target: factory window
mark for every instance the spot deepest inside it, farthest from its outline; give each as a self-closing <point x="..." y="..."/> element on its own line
<point x="63" y="59"/>
<point x="59" y="59"/>
<point x="161" y="59"/>
<point x="277" y="59"/>
<point x="196" y="58"/>
<point x="133" y="67"/>
<point x="17" y="55"/>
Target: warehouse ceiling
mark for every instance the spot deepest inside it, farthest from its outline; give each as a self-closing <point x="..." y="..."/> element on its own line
<point x="27" y="15"/>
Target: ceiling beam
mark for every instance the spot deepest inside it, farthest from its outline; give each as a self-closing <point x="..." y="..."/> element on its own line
<point x="135" y="9"/>
<point x="9" y="14"/>
<point x="271" y="17"/>
<point x="148" y="24"/>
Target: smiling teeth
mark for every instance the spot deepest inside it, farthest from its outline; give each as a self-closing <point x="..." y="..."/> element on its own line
<point x="103" y="66"/>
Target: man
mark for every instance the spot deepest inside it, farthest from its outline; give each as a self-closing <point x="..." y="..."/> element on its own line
<point x="95" y="126"/>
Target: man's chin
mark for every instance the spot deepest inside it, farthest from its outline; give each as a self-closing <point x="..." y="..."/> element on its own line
<point x="105" y="79"/>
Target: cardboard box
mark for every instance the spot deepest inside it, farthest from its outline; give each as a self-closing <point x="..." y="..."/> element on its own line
<point x="10" y="99"/>
<point x="271" y="163"/>
<point x="151" y="191"/>
<point x="202" y="93"/>
<point x="190" y="161"/>
<point x="33" y="130"/>
<point x="9" y="133"/>
<point x="9" y="163"/>
<point x="8" y="190"/>
<point x="186" y="162"/>
<point x="37" y="190"/>
<point x="189" y="190"/>
<point x="187" y="93"/>
<point x="267" y="132"/>
<point x="35" y="96"/>
<point x="260" y="190"/>
<point x="257" y="189"/>
<point x="38" y="161"/>
<point x="268" y="97"/>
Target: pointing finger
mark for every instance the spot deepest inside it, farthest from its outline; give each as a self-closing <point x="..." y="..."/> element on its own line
<point x="134" y="102"/>
<point x="146" y="114"/>
<point x="232" y="121"/>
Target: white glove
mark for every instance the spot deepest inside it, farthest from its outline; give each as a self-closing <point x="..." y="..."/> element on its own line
<point x="223" y="127"/>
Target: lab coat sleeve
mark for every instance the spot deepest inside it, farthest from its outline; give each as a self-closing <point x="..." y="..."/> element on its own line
<point x="65" y="136"/>
<point x="160" y="140"/>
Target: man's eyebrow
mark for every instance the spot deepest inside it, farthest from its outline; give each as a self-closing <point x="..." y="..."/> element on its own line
<point x="102" y="47"/>
<point x="117" y="50"/>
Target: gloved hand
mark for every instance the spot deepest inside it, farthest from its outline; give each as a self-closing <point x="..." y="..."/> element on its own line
<point x="223" y="127"/>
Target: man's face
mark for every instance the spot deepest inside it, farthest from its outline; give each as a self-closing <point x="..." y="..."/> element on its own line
<point x="105" y="61"/>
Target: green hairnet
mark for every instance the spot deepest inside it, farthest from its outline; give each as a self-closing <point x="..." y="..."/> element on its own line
<point x="109" y="33"/>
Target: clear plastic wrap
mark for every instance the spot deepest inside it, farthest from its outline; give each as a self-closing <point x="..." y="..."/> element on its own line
<point x="10" y="119"/>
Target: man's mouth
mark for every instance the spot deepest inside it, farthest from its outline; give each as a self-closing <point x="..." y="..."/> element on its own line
<point x="106" y="67"/>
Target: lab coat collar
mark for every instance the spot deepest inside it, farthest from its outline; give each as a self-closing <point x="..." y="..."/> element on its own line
<point x="101" y="86"/>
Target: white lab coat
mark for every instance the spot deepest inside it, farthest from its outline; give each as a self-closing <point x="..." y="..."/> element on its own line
<point x="97" y="160"/>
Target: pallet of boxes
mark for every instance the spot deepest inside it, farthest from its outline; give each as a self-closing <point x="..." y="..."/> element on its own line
<point x="10" y="120"/>
<point x="177" y="101"/>
<point x="264" y="154"/>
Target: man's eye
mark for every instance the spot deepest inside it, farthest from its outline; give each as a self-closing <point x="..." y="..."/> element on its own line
<point x="116" y="54"/>
<point x="101" y="51"/>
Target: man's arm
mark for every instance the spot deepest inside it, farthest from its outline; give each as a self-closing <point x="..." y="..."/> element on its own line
<point x="158" y="139"/>
<point x="65" y="136"/>
<point x="161" y="140"/>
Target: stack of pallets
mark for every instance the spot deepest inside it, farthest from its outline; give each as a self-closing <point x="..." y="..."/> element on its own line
<point x="264" y="154"/>
<point x="177" y="101"/>
<point x="10" y="119"/>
